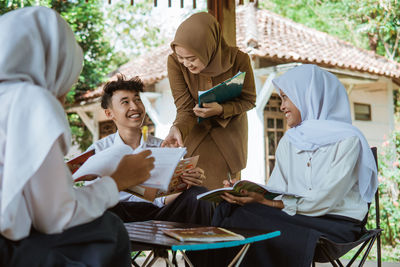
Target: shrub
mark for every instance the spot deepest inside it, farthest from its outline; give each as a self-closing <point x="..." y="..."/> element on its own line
<point x="389" y="181"/>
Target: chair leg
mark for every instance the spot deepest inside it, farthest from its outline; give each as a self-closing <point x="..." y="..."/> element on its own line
<point x="332" y="261"/>
<point x="378" y="252"/>
<point x="364" y="258"/>
<point x="357" y="253"/>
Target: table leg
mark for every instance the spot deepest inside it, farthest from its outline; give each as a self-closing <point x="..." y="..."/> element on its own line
<point x="186" y="258"/>
<point x="169" y="263"/>
<point x="133" y="261"/>
<point x="239" y="257"/>
<point x="174" y="261"/>
<point x="148" y="258"/>
<point x="153" y="260"/>
<point x="158" y="254"/>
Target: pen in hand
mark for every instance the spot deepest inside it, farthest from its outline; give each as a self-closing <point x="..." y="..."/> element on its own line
<point x="145" y="132"/>
<point x="231" y="183"/>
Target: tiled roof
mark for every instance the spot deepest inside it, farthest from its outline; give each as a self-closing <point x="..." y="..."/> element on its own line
<point x="278" y="39"/>
<point x="284" y="40"/>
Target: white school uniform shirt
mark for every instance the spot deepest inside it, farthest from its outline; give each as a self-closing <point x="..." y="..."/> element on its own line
<point x="115" y="139"/>
<point x="39" y="62"/>
<point x="327" y="179"/>
<point x="50" y="201"/>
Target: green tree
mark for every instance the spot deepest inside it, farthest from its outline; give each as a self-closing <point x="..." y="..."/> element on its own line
<point x="369" y="24"/>
<point x="380" y="21"/>
<point x="87" y="22"/>
<point x="129" y="25"/>
<point x="131" y="29"/>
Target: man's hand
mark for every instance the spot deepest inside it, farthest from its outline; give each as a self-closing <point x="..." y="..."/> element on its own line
<point x="208" y="110"/>
<point x="173" y="139"/>
<point x="133" y="170"/>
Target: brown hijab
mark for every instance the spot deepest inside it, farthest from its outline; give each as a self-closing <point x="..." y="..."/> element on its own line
<point x="201" y="34"/>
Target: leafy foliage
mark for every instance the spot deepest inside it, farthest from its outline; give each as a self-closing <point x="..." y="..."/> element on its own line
<point x="131" y="28"/>
<point x="80" y="133"/>
<point x="93" y="33"/>
<point x="389" y="184"/>
<point x="369" y="24"/>
<point x="87" y="22"/>
<point x="380" y="21"/>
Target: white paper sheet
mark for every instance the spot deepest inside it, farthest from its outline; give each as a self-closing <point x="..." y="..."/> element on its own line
<point x="106" y="162"/>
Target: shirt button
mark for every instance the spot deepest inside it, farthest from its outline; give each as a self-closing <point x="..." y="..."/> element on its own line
<point x="309" y="188"/>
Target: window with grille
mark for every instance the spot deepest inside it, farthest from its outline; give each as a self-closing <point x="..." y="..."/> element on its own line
<point x="274" y="126"/>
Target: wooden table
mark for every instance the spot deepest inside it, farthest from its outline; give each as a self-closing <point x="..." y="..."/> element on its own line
<point x="148" y="235"/>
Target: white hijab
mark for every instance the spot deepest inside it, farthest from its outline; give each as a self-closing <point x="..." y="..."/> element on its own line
<point x="326" y="119"/>
<point x="39" y="61"/>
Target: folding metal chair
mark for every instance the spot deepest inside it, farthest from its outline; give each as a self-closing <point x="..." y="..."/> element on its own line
<point x="329" y="251"/>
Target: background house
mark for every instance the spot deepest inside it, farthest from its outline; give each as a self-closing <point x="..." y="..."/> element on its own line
<point x="275" y="44"/>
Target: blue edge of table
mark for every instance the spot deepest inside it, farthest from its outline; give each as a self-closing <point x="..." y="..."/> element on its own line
<point x="226" y="244"/>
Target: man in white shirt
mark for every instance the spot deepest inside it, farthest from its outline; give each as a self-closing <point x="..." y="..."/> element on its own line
<point x="122" y="103"/>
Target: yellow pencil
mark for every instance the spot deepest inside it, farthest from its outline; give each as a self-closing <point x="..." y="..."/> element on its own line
<point x="145" y="133"/>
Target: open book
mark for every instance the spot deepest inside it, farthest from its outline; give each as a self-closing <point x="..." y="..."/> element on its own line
<point x="223" y="92"/>
<point x="202" y="234"/>
<point x="215" y="195"/>
<point x="75" y="163"/>
<point x="105" y="163"/>
<point x="176" y="185"/>
<point x="165" y="177"/>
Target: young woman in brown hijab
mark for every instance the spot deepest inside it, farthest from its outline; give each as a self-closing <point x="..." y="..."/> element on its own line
<point x="200" y="60"/>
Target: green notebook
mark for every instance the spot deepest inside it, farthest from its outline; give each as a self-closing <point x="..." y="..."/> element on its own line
<point x="223" y="92"/>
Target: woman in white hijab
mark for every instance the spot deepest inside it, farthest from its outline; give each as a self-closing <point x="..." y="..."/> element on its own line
<point x="44" y="220"/>
<point x="322" y="159"/>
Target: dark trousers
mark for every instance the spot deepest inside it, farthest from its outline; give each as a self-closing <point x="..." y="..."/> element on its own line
<point x="294" y="247"/>
<point x="185" y="208"/>
<point x="102" y="242"/>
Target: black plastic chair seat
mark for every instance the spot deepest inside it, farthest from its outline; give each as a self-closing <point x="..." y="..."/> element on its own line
<point x="337" y="250"/>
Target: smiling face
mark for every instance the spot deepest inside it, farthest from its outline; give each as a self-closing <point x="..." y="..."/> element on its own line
<point x="189" y="60"/>
<point x="126" y="109"/>
<point x="292" y="113"/>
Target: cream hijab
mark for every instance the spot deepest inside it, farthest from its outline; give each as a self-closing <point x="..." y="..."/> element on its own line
<point x="201" y="34"/>
<point x="39" y="61"/>
<point x="325" y="111"/>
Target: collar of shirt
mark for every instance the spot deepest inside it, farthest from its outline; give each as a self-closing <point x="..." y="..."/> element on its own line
<point x="118" y="140"/>
<point x="151" y="141"/>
